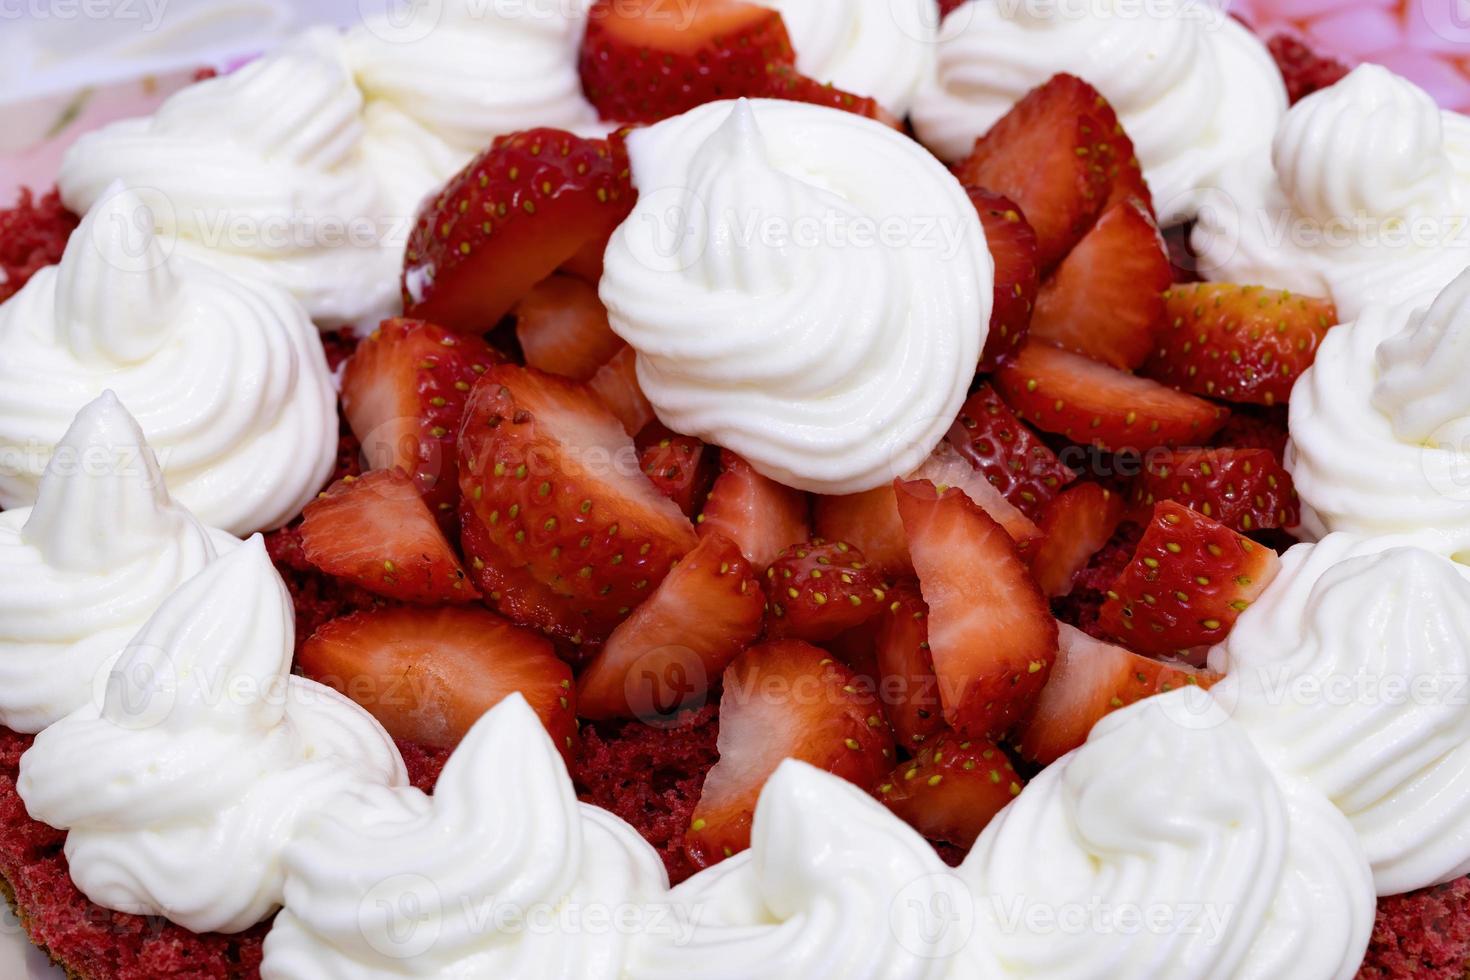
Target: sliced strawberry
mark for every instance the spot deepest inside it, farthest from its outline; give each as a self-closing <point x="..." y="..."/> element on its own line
<point x="403" y="393"/>
<point x="1304" y="70"/>
<point x="376" y="532"/>
<point x="908" y="687"/>
<point x="1188" y="582"/>
<point x="990" y="629"/>
<point x="760" y="515"/>
<point x="1076" y="526"/>
<point x="952" y="788"/>
<point x="868" y="520"/>
<point x="517" y="595"/>
<point x="819" y="588"/>
<point x="1239" y="343"/>
<point x="616" y="383"/>
<point x="1247" y="490"/>
<point x="562" y="327"/>
<point x="1106" y="299"/>
<point x="1091" y="403"/>
<point x="663" y="658"/>
<point x="429" y="674"/>
<point x="783" y="700"/>
<point x="508" y="220"/>
<point x="946" y="467"/>
<point x="1009" y="455"/>
<point x="553" y="478"/>
<point x="1091" y="679"/>
<point x="785" y="82"/>
<point x="1052" y="155"/>
<point x="1125" y="173"/>
<point x="1012" y="245"/>
<point x="681" y="467"/>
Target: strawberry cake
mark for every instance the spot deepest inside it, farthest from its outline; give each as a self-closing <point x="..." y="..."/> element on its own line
<point x="845" y="489"/>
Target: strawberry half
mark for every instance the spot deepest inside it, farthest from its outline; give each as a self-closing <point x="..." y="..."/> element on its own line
<point x="616" y="383"/>
<point x="1247" y="490"/>
<point x="760" y="515"/>
<point x="403" y="394"/>
<point x="429" y="674"/>
<point x="908" y="686"/>
<point x="553" y="479"/>
<point x="1012" y="244"/>
<point x="1106" y="299"/>
<point x="1091" y="679"/>
<point x="1052" y="155"/>
<point x="663" y="658"/>
<point x="681" y="467"/>
<point x="1189" y="580"/>
<point x="1239" y="343"/>
<point x="952" y="788"/>
<point x="819" y="589"/>
<point x="1076" y="526"/>
<point x="991" y="632"/>
<point x="376" y="532"/>
<point x="1093" y="404"/>
<point x="508" y="220"/>
<point x="1009" y="455"/>
<point x="783" y="700"/>
<point x="562" y="328"/>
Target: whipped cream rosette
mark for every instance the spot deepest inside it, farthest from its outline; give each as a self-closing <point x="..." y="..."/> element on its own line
<point x="84" y="569"/>
<point x="1353" y="671"/>
<point x="1380" y="424"/>
<point x="225" y="375"/>
<point x="263" y="172"/>
<point x="1195" y="90"/>
<point x="180" y="790"/>
<point x="501" y="873"/>
<point x="806" y="287"/>
<point x="1363" y="197"/>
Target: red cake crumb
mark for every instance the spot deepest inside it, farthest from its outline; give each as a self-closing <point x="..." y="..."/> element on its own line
<point x="651" y="777"/>
<point x="33" y="235"/>
<point x="424" y="762"/>
<point x="1304" y="70"/>
<point x="1424" y="934"/>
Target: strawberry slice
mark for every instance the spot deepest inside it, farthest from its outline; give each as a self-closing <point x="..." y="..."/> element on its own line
<point x="562" y="327"/>
<point x="403" y="394"/>
<point x="1076" y="526"/>
<point x="429" y="674"/>
<point x="681" y="467"/>
<point x="1052" y="155"/>
<point x="663" y="658"/>
<point x="1125" y="173"/>
<point x="508" y="220"/>
<point x="783" y="700"/>
<point x="514" y="593"/>
<point x="760" y="515"/>
<point x="869" y="521"/>
<point x="909" y="688"/>
<point x="616" y="383"/>
<point x="785" y="82"/>
<point x="952" y="788"/>
<point x="1007" y="454"/>
<point x="946" y="467"/>
<point x="1188" y="582"/>
<point x="552" y="477"/>
<point x="990" y="629"/>
<point x="821" y="588"/>
<point x="1091" y="403"/>
<point x="1239" y="343"/>
<point x="1106" y="299"/>
<point x="1091" y="679"/>
<point x="1012" y="245"/>
<point x="1247" y="490"/>
<point x="376" y="532"/>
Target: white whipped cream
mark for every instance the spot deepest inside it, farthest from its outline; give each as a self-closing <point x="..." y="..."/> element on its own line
<point x="82" y="571"/>
<point x="1179" y="851"/>
<point x="803" y="286"/>
<point x="502" y="875"/>
<point x="1194" y="89"/>
<point x="878" y="48"/>
<point x="263" y="172"/>
<point x="225" y="375"/>
<point x="181" y="788"/>
<point x="1352" y="671"/>
<point x="1364" y="197"/>
<point x="1380" y="422"/>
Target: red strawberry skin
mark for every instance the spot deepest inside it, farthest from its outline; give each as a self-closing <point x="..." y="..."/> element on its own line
<point x="681" y="467"/>
<point x="1012" y="243"/>
<point x="510" y="219"/>
<point x="1247" y="490"/>
<point x="952" y="788"/>
<point x="908" y="686"/>
<point x="1008" y="454"/>
<point x="819" y="589"/>
<point x="1189" y="581"/>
